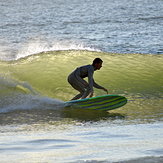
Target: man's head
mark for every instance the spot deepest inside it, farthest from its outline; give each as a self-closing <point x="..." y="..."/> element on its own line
<point x="97" y="63"/>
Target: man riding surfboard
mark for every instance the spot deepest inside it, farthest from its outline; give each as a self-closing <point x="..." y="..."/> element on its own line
<point x="76" y="79"/>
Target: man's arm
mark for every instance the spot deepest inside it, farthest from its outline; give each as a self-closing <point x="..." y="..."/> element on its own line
<point x="96" y="85"/>
<point x="99" y="87"/>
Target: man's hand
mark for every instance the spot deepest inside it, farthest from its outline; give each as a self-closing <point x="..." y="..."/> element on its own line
<point x="91" y="95"/>
<point x="105" y="90"/>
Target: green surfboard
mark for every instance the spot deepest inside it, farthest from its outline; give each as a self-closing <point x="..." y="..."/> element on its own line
<point x="104" y="103"/>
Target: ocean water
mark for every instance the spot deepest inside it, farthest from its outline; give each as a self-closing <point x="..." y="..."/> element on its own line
<point x="41" y="42"/>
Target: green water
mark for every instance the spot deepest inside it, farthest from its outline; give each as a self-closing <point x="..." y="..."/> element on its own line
<point x="121" y="73"/>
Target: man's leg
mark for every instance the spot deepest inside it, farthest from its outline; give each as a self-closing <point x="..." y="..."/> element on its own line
<point x="80" y="85"/>
<point x="80" y="89"/>
<point x="87" y="92"/>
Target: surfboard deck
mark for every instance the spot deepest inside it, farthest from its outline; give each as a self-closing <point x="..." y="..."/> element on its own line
<point x="104" y="103"/>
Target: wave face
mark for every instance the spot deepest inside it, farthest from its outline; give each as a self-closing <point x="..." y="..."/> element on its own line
<point x="40" y="81"/>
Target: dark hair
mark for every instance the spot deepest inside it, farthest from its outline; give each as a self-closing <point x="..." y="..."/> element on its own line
<point x="97" y="60"/>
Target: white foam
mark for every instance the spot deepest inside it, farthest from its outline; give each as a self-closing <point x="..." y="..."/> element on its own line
<point x="10" y="82"/>
<point x="38" y="45"/>
<point x="28" y="102"/>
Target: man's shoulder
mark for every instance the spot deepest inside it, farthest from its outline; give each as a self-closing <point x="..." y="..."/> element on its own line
<point x="88" y="66"/>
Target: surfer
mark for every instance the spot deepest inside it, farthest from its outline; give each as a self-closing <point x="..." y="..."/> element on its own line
<point x="77" y="82"/>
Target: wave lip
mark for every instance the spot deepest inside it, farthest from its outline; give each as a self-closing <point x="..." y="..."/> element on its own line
<point x="37" y="46"/>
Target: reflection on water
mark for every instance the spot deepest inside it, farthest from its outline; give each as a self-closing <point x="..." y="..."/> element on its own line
<point x="63" y="114"/>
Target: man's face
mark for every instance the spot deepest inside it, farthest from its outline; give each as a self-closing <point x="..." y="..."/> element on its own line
<point x="98" y="66"/>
